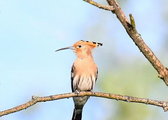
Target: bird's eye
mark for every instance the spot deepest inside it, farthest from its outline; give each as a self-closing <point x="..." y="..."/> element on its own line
<point x="79" y="46"/>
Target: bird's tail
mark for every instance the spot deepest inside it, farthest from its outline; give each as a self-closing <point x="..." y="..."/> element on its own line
<point x="77" y="114"/>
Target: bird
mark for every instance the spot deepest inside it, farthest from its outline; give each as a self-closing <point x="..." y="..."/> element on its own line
<point x="84" y="73"/>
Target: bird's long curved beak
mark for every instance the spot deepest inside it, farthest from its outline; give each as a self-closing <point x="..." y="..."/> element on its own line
<point x="71" y="47"/>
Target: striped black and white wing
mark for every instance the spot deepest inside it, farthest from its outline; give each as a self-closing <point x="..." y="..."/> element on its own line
<point x="75" y="80"/>
<point x="72" y="78"/>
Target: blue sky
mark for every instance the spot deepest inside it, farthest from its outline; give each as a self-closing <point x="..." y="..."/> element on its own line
<point x="31" y="30"/>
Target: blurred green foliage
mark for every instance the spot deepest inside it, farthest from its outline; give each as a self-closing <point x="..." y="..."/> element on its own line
<point x="133" y="80"/>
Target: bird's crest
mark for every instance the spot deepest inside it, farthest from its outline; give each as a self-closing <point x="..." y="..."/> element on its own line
<point x="90" y="43"/>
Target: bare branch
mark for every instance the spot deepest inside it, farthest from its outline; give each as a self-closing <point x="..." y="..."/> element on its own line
<point x="137" y="39"/>
<point x="105" y="7"/>
<point x="163" y="104"/>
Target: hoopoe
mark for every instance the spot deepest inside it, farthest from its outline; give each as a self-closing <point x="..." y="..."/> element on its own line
<point x="83" y="73"/>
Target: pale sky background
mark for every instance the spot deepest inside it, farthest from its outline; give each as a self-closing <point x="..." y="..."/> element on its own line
<point x="31" y="30"/>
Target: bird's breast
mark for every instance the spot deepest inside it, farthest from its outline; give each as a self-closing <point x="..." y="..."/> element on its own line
<point x="85" y="74"/>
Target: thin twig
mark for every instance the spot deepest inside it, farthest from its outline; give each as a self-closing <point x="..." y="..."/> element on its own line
<point x="163" y="104"/>
<point x="137" y="39"/>
<point x="105" y="7"/>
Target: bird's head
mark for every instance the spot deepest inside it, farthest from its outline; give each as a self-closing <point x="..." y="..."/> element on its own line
<point x="82" y="47"/>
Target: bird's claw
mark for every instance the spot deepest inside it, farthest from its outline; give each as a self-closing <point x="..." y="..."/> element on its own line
<point x="77" y="92"/>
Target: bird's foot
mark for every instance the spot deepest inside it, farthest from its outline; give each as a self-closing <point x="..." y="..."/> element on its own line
<point x="77" y="92"/>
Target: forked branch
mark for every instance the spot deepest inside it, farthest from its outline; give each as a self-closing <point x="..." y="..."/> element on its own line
<point x="130" y="27"/>
<point x="163" y="104"/>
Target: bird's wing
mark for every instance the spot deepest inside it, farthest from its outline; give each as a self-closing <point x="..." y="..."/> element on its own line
<point x="72" y="77"/>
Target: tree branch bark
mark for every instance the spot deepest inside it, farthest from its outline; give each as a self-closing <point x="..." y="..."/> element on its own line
<point x="35" y="99"/>
<point x="130" y="28"/>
